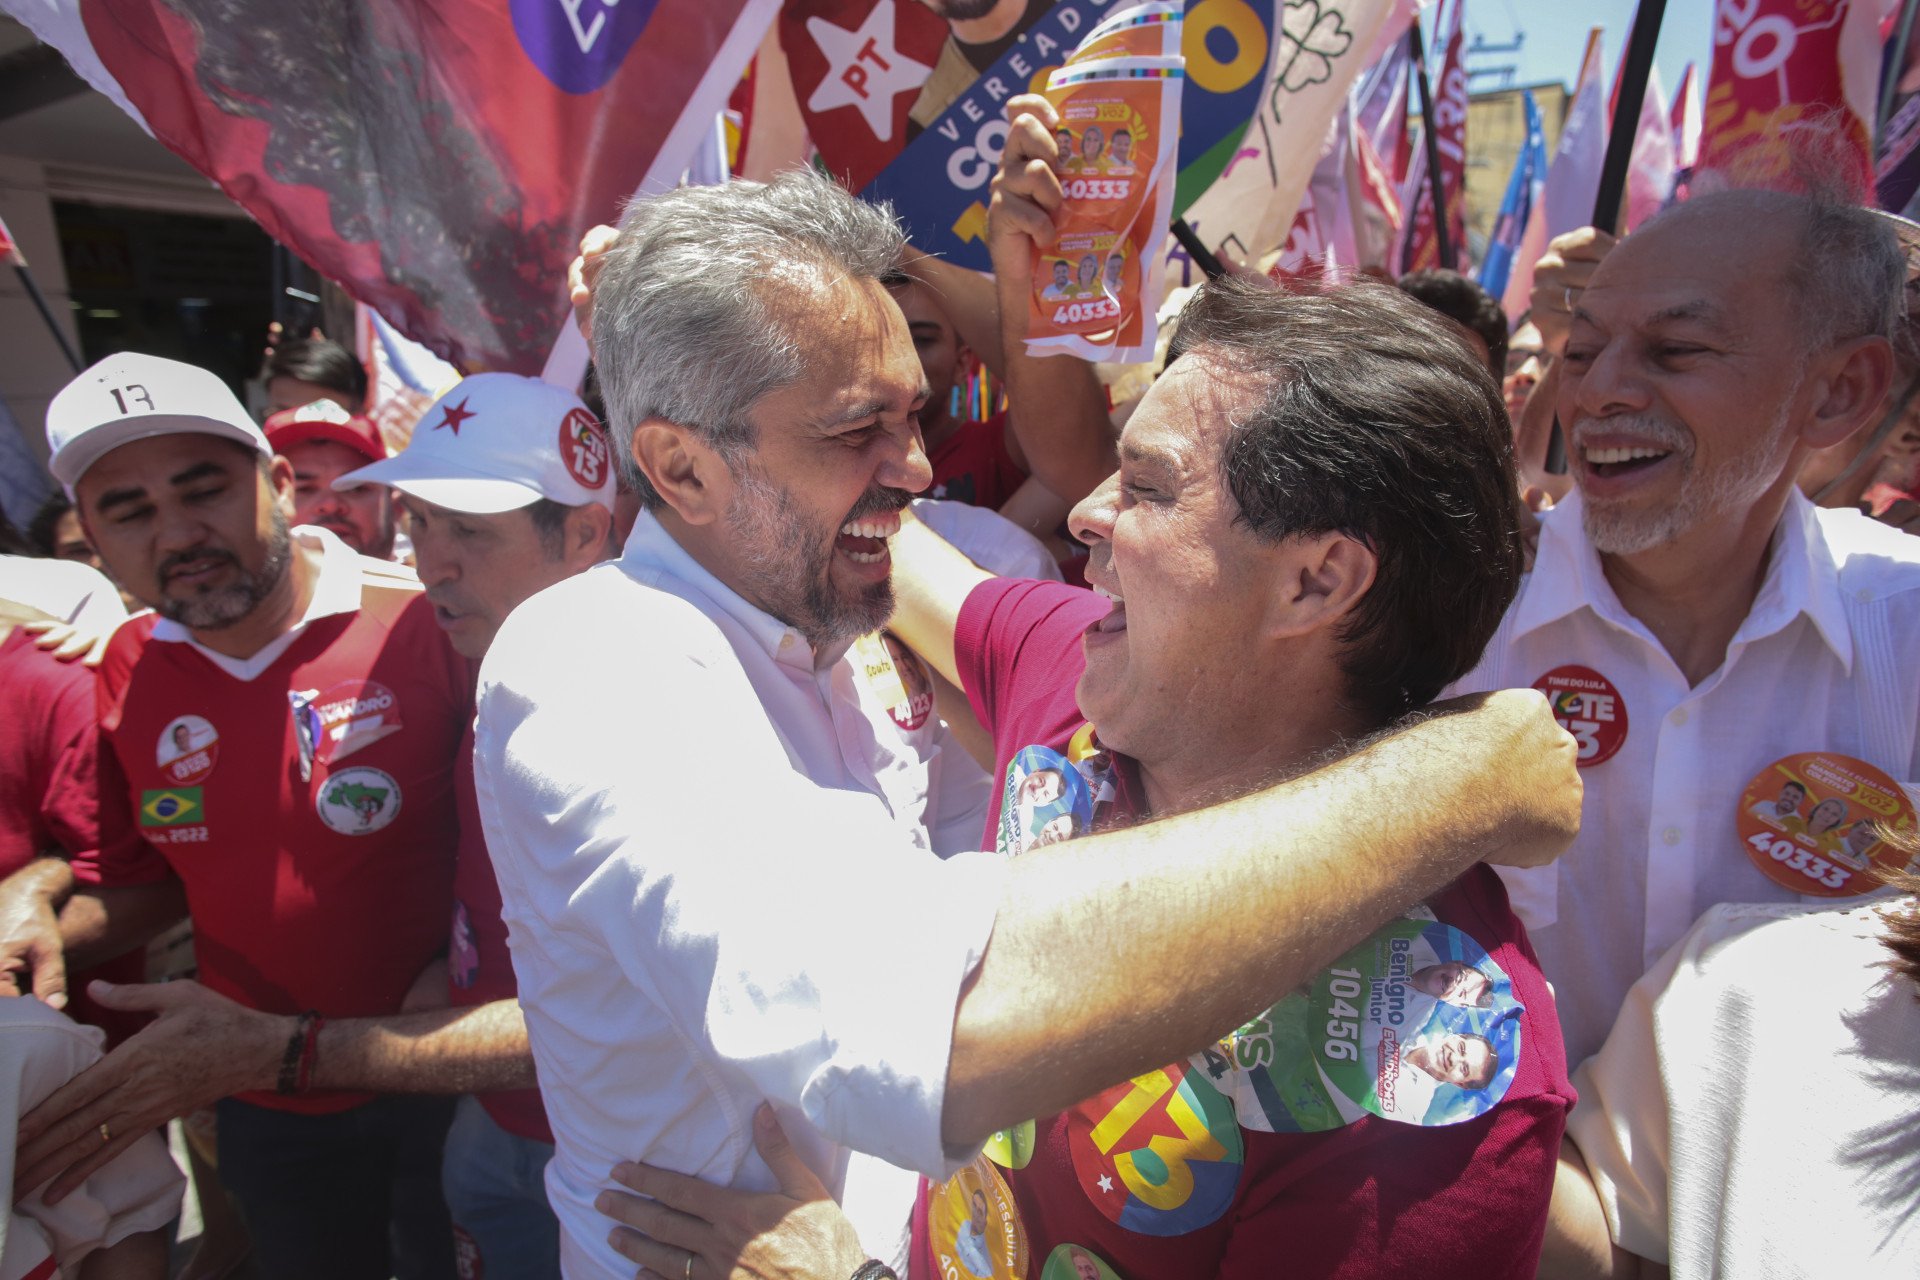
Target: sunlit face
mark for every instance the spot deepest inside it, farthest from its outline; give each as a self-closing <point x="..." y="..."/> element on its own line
<point x="190" y="526"/>
<point x="1182" y="573"/>
<point x="1455" y="983"/>
<point x="1464" y="1061"/>
<point x="291" y="393"/>
<point x="835" y="457"/>
<point x="361" y="517"/>
<point x="477" y="569"/>
<point x="1682" y="378"/>
<point x="1826" y="815"/>
<point x="1525" y="364"/>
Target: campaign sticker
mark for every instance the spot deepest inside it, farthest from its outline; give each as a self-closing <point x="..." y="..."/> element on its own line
<point x="1812" y="823"/>
<point x="976" y="1228"/>
<point x="358" y="801"/>
<point x="1586" y="705"/>
<point x="1076" y="1262"/>
<point x="916" y="686"/>
<point x="1417" y="1025"/>
<point x="1011" y="1148"/>
<point x="171" y="807"/>
<point x="1160" y="1154"/>
<point x="1046" y="801"/>
<point x="583" y="448"/>
<point x="353" y="715"/>
<point x="463" y="958"/>
<point x="187" y="749"/>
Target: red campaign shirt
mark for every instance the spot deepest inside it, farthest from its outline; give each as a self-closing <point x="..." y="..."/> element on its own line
<point x="50" y="796"/>
<point x="973" y="465"/>
<point x="1374" y="1198"/>
<point x="479" y="966"/>
<point x="329" y="892"/>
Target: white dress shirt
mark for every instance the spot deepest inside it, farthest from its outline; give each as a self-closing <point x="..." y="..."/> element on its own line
<point x="1823" y="662"/>
<point x="716" y="862"/>
<point x="1752" y="1113"/>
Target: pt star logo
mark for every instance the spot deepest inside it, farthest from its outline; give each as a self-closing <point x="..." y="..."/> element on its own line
<point x="455" y="415"/>
<point x="864" y="69"/>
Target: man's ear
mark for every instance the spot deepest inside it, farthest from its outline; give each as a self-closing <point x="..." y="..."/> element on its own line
<point x="1323" y="577"/>
<point x="682" y="469"/>
<point x="280" y="482"/>
<point x="1851" y="393"/>
<point x="586" y="536"/>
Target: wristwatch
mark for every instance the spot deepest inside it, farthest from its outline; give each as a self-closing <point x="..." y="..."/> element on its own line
<point x="874" y="1269"/>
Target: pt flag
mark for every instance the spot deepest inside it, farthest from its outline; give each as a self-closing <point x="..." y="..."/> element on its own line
<point x="1777" y="64"/>
<point x="438" y="158"/>
<point x="1449" y="126"/>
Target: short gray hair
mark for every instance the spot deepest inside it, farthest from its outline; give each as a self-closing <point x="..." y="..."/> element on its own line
<point x="684" y="322"/>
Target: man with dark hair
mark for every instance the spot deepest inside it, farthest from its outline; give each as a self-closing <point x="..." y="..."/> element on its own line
<point x="1313" y="529"/>
<point x="307" y="369"/>
<point x="324" y="441"/>
<point x="1474" y="312"/>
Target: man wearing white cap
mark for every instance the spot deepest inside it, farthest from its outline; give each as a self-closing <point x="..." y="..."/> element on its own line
<point x="309" y="825"/>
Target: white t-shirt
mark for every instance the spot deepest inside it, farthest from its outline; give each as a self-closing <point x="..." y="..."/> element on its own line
<point x="1823" y="662"/>
<point x="1753" y="1112"/>
<point x="40" y="1050"/>
<point x="715" y="862"/>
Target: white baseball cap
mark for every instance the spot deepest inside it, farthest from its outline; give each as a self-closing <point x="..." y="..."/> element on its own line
<point x="129" y="397"/>
<point x="498" y="442"/>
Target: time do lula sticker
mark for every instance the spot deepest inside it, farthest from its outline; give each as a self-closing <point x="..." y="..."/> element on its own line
<point x="1813" y="822"/>
<point x="1586" y="705"/>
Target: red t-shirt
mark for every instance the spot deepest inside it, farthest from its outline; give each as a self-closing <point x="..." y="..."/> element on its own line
<point x="1372" y="1197"/>
<point x="479" y="966"/>
<point x="327" y="888"/>
<point x="973" y="465"/>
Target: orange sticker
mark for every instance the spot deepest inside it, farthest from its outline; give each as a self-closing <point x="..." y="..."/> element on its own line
<point x="1586" y="705"/>
<point x="1812" y="822"/>
<point x="976" y="1228"/>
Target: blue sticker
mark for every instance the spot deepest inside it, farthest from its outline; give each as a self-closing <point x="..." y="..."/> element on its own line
<point x="1046" y="800"/>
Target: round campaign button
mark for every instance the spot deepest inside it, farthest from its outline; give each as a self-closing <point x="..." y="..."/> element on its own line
<point x="1160" y="1154"/>
<point x="1046" y="800"/>
<point x="976" y="1227"/>
<point x="1076" y="1262"/>
<point x="187" y="749"/>
<point x="1812" y="822"/>
<point x="1011" y="1148"/>
<point x="1586" y="705"/>
<point x="358" y="801"/>
<point x="583" y="448"/>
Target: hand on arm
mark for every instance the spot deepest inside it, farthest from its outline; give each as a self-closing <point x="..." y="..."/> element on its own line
<point x="1277" y="884"/>
<point x="1059" y="408"/>
<point x="795" y="1233"/>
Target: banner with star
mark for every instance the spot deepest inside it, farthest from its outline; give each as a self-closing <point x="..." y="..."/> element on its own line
<point x="437" y="158"/>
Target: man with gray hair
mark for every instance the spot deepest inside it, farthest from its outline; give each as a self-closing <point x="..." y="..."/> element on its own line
<point x="733" y="901"/>
<point x="1703" y="629"/>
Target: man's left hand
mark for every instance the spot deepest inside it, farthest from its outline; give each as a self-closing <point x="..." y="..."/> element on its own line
<point x="201" y="1047"/>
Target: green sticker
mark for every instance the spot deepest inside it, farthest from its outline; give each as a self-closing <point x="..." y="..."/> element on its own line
<point x="171" y="807"/>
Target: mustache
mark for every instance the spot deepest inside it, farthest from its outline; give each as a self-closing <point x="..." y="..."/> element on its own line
<point x="878" y="501"/>
<point x="173" y="563"/>
<point x="1652" y="427"/>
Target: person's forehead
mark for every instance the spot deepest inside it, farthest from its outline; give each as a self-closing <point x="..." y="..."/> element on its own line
<point x="1187" y="415"/>
<point x="158" y="461"/>
<point x="920" y="306"/>
<point x="1710" y="269"/>
<point x="322" y="457"/>
<point x="859" y="357"/>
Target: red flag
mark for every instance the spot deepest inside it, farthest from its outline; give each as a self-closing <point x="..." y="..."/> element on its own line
<point x="1778" y="63"/>
<point x="9" y="249"/>
<point x="1449" y="126"/>
<point x="438" y="158"/>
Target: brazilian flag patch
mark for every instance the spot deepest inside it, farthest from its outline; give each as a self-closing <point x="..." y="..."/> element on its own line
<point x="171" y="807"/>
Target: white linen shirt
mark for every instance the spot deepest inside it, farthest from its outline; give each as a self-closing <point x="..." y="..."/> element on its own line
<point x="715" y="860"/>
<point x="1823" y="662"/>
<point x="1752" y="1112"/>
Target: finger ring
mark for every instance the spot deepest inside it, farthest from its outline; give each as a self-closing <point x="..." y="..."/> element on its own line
<point x="689" y="1273"/>
<point x="105" y="1137"/>
<point x="1568" y="291"/>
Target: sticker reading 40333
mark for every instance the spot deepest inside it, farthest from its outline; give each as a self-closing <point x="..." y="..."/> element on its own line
<point x="1812" y="822"/>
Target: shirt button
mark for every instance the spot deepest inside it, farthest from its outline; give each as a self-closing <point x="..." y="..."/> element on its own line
<point x="1679" y="716"/>
<point x="786" y="642"/>
<point x="1671" y="835"/>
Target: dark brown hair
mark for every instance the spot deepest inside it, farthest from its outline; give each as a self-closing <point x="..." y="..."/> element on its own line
<point x="1378" y="423"/>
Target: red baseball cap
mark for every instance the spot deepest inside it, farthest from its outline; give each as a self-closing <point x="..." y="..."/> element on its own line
<point x="326" y="420"/>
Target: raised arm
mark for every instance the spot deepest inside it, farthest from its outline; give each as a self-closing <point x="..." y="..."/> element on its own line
<point x="1090" y="975"/>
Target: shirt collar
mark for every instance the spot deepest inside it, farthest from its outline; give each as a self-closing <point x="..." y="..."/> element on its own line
<point x="651" y="550"/>
<point x="336" y="587"/>
<point x="1801" y="578"/>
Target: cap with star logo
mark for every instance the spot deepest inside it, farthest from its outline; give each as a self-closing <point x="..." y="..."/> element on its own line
<point x="130" y="396"/>
<point x="498" y="442"/>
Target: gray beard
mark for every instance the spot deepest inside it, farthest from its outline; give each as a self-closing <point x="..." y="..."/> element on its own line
<point x="222" y="607"/>
<point x="788" y="569"/>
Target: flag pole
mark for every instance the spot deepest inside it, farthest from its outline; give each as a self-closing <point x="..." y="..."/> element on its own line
<point x="1626" y="114"/>
<point x="19" y="261"/>
<point x="1442" y="240"/>
<point x="1895" y="69"/>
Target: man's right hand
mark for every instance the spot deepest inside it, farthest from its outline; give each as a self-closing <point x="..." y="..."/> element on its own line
<point x="1026" y="191"/>
<point x="1558" y="279"/>
<point x="584" y="270"/>
<point x="1528" y="762"/>
<point x="32" y="954"/>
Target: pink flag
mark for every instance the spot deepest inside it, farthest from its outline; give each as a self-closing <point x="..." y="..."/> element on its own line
<point x="1686" y="120"/>
<point x="1449" y="125"/>
<point x="1651" y="167"/>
